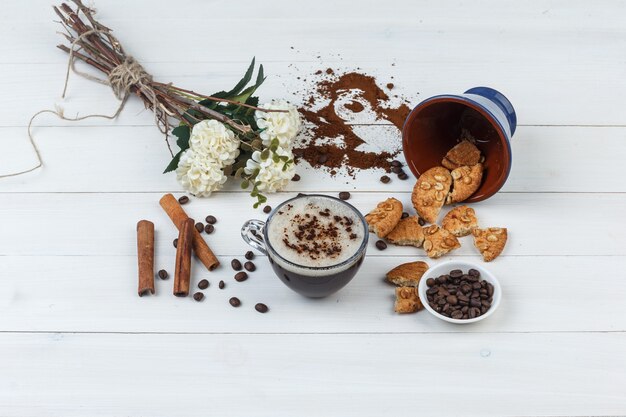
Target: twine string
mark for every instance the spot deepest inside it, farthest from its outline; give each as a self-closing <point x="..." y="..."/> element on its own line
<point x="121" y="79"/>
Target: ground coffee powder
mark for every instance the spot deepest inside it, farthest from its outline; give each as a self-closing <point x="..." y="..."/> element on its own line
<point x="326" y="124"/>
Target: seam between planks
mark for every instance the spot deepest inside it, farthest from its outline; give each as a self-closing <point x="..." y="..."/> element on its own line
<point x="131" y="333"/>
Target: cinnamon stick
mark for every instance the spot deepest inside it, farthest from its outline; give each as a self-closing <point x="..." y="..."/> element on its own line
<point x="145" y="257"/>
<point x="200" y="247"/>
<point x="182" y="273"/>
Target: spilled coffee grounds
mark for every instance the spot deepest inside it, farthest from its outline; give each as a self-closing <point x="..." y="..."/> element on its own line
<point x="332" y="142"/>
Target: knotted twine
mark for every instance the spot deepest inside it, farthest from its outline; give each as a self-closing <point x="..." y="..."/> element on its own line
<point x="121" y="79"/>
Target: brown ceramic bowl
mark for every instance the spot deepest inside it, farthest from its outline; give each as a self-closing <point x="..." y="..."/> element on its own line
<point x="435" y="125"/>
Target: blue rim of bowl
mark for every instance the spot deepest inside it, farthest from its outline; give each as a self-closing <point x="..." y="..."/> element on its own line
<point x="358" y="253"/>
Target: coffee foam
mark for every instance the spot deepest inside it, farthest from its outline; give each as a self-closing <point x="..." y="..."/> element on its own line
<point x="297" y="226"/>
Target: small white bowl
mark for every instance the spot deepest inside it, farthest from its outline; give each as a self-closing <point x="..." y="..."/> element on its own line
<point x="445" y="268"/>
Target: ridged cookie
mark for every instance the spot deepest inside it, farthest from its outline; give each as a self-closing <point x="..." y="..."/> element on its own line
<point x="438" y="241"/>
<point x="430" y="193"/>
<point x="407" y="300"/>
<point x="384" y="218"/>
<point x="463" y="153"/>
<point x="460" y="221"/>
<point x="407" y="232"/>
<point x="408" y="274"/>
<point x="465" y="182"/>
<point x="490" y="242"/>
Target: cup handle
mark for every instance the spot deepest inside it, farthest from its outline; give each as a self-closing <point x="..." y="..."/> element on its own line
<point x="252" y="234"/>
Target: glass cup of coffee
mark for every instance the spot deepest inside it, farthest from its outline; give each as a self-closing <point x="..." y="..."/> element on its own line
<point x="315" y="243"/>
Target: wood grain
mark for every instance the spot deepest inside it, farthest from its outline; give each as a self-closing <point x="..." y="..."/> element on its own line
<point x="539" y="224"/>
<point x="540" y="294"/>
<point x="75" y="340"/>
<point x="581" y="165"/>
<point x="489" y="375"/>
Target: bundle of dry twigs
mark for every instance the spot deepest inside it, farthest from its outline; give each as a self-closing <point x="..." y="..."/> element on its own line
<point x="94" y="43"/>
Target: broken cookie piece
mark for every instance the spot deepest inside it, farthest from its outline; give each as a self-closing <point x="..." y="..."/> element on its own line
<point x="430" y="192"/>
<point x="384" y="218"/>
<point x="408" y="274"/>
<point x="438" y="241"/>
<point x="462" y="154"/>
<point x="407" y="300"/>
<point x="460" y="221"/>
<point x="407" y="232"/>
<point x="490" y="242"/>
<point x="465" y="182"/>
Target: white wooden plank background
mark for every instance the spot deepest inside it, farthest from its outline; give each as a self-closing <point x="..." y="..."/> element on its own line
<point x="75" y="340"/>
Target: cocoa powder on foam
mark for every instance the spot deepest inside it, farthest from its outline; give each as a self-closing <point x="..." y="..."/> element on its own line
<point x="326" y="123"/>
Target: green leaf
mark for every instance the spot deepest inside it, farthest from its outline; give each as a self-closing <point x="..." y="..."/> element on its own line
<point x="275" y="158"/>
<point x="284" y="158"/>
<point x="173" y="163"/>
<point x="245" y="184"/>
<point x="265" y="154"/>
<point x="239" y="173"/>
<point x="262" y="198"/>
<point x="244" y="81"/>
<point x="257" y="204"/>
<point x="259" y="78"/>
<point x="254" y="193"/>
<point x="182" y="132"/>
<point x="245" y="94"/>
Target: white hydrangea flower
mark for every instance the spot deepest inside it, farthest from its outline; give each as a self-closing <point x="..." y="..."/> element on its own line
<point x="271" y="174"/>
<point x="213" y="139"/>
<point x="199" y="174"/>
<point x="278" y="125"/>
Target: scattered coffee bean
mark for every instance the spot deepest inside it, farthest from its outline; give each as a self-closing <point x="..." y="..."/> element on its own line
<point x="249" y="255"/>
<point x="381" y="245"/>
<point x="211" y="219"/>
<point x="421" y="221"/>
<point x="403" y="176"/>
<point x="296" y="177"/>
<point x="458" y="295"/>
<point x="198" y="296"/>
<point x="235" y="264"/>
<point x="163" y="274"/>
<point x="234" y="301"/>
<point x="405" y="214"/>
<point x="241" y="276"/>
<point x="261" y="308"/>
<point x="209" y="228"/>
<point x="183" y="200"/>
<point x="396" y="163"/>
<point x="385" y="179"/>
<point x="221" y="285"/>
<point x="267" y="209"/>
<point x="199" y="227"/>
<point x="204" y="284"/>
<point x="344" y="195"/>
<point x="396" y="170"/>
<point x="175" y="242"/>
<point x="250" y="266"/>
<point x="322" y="158"/>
